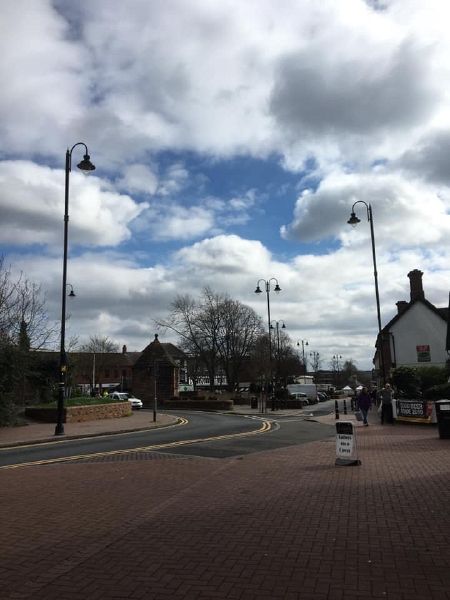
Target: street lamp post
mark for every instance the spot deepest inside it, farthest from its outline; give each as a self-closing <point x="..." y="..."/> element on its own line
<point x="337" y="358"/>
<point x="276" y="289"/>
<point x="303" y="343"/>
<point x="84" y="165"/>
<point x="277" y="331"/>
<point x="353" y="221"/>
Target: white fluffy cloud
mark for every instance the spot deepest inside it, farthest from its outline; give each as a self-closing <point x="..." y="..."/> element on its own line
<point x="32" y="201"/>
<point x="405" y="213"/>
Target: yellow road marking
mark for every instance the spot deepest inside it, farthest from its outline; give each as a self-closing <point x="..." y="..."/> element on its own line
<point x="266" y="426"/>
<point x="181" y="421"/>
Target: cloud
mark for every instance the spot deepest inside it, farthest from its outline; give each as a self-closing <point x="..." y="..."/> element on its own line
<point x="175" y="222"/>
<point x="32" y="205"/>
<point x="138" y="178"/>
<point x="400" y="209"/>
<point x="44" y="88"/>
<point x="225" y="254"/>
<point x="430" y="158"/>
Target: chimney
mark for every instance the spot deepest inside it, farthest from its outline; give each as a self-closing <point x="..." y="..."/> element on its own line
<point x="124" y="349"/>
<point x="415" y="282"/>
<point x="402" y="305"/>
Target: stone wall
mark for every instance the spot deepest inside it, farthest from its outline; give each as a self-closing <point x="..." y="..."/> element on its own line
<point x="78" y="414"/>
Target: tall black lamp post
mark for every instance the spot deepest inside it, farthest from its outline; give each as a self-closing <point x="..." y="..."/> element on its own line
<point x="353" y="221"/>
<point x="84" y="165"/>
<point x="276" y="289"/>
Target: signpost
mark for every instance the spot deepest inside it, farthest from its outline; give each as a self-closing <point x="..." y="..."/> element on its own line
<point x="346" y="448"/>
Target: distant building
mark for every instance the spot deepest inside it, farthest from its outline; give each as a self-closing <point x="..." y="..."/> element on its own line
<point x="97" y="372"/>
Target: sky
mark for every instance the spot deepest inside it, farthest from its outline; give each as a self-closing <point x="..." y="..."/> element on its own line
<point x="230" y="140"/>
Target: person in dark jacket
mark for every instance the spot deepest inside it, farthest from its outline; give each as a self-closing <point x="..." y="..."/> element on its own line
<point x="364" y="402"/>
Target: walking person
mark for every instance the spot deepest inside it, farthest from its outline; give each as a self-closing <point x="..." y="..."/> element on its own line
<point x="385" y="396"/>
<point x="364" y="402"/>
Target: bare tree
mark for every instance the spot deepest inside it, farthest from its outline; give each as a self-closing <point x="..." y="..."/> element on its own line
<point x="217" y="329"/>
<point x="24" y="325"/>
<point x="99" y="345"/>
<point x="91" y="359"/>
<point x="22" y="301"/>
<point x="240" y="329"/>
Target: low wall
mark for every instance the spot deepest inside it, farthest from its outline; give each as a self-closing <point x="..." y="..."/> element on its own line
<point x="78" y="414"/>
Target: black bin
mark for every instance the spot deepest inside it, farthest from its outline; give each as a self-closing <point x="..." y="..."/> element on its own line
<point x="443" y="418"/>
<point x="254" y="402"/>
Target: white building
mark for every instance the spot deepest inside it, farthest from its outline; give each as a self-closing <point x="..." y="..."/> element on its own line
<point x="416" y="336"/>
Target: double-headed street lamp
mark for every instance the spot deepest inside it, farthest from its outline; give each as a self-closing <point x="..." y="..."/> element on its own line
<point x="353" y="221"/>
<point x="276" y="289"/>
<point x="84" y="165"/>
<point x="336" y="360"/>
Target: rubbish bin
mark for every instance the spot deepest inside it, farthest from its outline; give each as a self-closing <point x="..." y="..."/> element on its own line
<point x="443" y="418"/>
<point x="254" y="402"/>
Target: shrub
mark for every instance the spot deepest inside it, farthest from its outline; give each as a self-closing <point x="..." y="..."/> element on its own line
<point x="406" y="380"/>
<point x="438" y="392"/>
<point x="431" y="376"/>
<point x="8" y="411"/>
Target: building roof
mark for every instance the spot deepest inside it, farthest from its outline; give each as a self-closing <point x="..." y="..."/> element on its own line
<point x="441" y="312"/>
<point x="115" y="359"/>
<point x="155" y="351"/>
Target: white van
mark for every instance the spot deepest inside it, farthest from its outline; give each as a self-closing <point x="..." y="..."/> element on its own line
<point x="310" y="389"/>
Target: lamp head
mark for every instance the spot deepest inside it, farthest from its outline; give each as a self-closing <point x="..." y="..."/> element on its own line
<point x="85" y="164"/>
<point x="283" y="326"/>
<point x="258" y="290"/>
<point x="277" y="288"/>
<point x="72" y="294"/>
<point x="353" y="221"/>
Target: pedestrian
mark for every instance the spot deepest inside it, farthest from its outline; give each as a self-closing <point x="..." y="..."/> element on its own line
<point x="364" y="402"/>
<point x="385" y="396"/>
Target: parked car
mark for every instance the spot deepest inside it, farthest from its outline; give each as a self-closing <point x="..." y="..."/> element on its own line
<point x="322" y="396"/>
<point x="121" y="396"/>
<point x="298" y="397"/>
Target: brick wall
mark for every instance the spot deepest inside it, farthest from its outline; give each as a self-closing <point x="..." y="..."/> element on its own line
<point x="78" y="414"/>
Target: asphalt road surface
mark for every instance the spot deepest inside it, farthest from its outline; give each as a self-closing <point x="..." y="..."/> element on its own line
<point x="210" y="435"/>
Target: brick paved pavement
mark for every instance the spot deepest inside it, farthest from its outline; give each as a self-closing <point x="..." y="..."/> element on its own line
<point x="285" y="524"/>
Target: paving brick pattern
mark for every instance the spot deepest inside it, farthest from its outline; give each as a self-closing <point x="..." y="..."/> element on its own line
<point x="286" y="524"/>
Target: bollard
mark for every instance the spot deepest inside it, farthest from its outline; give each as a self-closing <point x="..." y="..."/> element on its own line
<point x="345" y="407"/>
<point x="336" y="409"/>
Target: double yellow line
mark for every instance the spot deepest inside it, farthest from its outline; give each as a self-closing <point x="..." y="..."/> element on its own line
<point x="265" y="427"/>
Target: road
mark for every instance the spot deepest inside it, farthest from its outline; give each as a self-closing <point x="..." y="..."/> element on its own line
<point x="209" y="435"/>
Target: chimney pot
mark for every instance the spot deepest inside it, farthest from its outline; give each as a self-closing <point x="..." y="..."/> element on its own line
<point x="402" y="305"/>
<point x="416" y="287"/>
